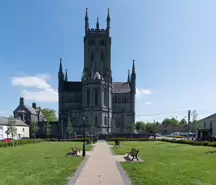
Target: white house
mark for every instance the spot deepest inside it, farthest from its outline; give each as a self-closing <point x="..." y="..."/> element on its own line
<point x="22" y="129"/>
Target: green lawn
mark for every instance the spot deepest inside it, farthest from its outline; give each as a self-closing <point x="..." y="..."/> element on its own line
<point x="38" y="164"/>
<point x="170" y="164"/>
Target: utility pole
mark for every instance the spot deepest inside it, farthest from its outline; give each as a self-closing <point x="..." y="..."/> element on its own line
<point x="188" y="123"/>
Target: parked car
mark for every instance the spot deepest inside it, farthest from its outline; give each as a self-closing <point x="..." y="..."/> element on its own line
<point x="7" y="140"/>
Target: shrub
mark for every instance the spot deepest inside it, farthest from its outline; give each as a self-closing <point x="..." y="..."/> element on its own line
<point x="52" y="139"/>
<point x="20" y="142"/>
<point x="130" y="139"/>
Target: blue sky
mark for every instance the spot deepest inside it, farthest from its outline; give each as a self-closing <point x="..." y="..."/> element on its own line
<point x="173" y="44"/>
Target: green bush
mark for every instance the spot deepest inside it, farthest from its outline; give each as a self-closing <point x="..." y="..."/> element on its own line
<point x="189" y="142"/>
<point x="130" y="139"/>
<point x="51" y="139"/>
<point x="20" y="142"/>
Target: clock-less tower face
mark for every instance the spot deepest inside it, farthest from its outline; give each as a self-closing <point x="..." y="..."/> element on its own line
<point x="97" y="51"/>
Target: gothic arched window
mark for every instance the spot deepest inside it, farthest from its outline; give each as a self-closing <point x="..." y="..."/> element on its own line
<point x="102" y="56"/>
<point x="96" y="96"/>
<point x="105" y="120"/>
<point x="88" y="96"/>
<point x="92" y="56"/>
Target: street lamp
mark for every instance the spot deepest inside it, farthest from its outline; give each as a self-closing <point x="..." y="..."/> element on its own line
<point x="84" y="149"/>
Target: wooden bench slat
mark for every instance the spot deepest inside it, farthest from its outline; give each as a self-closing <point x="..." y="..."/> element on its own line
<point x="133" y="153"/>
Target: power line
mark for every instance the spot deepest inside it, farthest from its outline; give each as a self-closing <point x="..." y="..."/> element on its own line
<point x="180" y="112"/>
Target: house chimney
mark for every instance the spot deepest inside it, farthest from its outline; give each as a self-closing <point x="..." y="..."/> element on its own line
<point x="34" y="105"/>
<point x="21" y="101"/>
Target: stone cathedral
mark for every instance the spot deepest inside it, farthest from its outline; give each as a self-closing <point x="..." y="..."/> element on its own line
<point x="97" y="101"/>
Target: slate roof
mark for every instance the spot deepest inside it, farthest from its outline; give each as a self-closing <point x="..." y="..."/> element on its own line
<point x="208" y="117"/>
<point x="121" y="87"/>
<point x="72" y="86"/>
<point x="31" y="109"/>
<point x="4" y="121"/>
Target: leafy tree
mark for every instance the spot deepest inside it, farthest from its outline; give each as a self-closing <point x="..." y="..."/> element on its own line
<point x="50" y="114"/>
<point x="11" y="128"/>
<point x="140" y="126"/>
<point x="33" y="129"/>
<point x="174" y="121"/>
<point x="113" y="125"/>
<point x="69" y="128"/>
<point x="47" y="129"/>
<point x="150" y="127"/>
<point x="183" y="122"/>
<point x="171" y="121"/>
<point x="167" y="121"/>
<point x="130" y="128"/>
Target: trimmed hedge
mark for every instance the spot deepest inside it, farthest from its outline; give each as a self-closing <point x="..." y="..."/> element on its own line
<point x="20" y="142"/>
<point x="130" y="139"/>
<point x="68" y="140"/>
<point x="191" y="142"/>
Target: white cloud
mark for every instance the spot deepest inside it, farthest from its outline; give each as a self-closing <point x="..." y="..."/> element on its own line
<point x="1" y="112"/>
<point x="143" y="92"/>
<point x="38" y="81"/>
<point x="148" y="103"/>
<point x="46" y="92"/>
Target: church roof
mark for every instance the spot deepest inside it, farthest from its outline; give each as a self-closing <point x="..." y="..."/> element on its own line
<point x="72" y="86"/>
<point x="121" y="87"/>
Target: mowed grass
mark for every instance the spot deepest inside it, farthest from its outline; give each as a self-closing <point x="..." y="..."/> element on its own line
<point x="38" y="164"/>
<point x="170" y="164"/>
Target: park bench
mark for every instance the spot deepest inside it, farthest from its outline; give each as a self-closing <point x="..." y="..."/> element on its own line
<point x="117" y="143"/>
<point x="133" y="153"/>
<point x="88" y="142"/>
<point x="75" y="150"/>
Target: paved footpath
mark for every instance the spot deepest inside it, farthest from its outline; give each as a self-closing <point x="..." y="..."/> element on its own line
<point x="100" y="168"/>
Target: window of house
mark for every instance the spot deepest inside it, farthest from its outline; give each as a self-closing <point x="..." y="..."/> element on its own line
<point x="23" y="129"/>
<point x="1" y="129"/>
<point x="210" y="125"/>
<point x="204" y="125"/>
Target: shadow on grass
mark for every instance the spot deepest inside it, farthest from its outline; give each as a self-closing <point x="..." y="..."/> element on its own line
<point x="72" y="154"/>
<point x="211" y="152"/>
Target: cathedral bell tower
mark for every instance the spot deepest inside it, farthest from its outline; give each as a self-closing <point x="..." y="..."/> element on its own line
<point x="97" y="76"/>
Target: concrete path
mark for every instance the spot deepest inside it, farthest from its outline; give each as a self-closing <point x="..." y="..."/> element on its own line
<point x="100" y="168"/>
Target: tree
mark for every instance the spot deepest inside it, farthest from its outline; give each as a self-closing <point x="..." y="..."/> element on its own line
<point x="140" y="126"/>
<point x="113" y="125"/>
<point x="130" y="128"/>
<point x="11" y="128"/>
<point x="50" y="114"/>
<point x="166" y="121"/>
<point x="183" y="122"/>
<point x="33" y="129"/>
<point x="150" y="127"/>
<point x="69" y="128"/>
<point x="47" y="129"/>
<point x="172" y="121"/>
